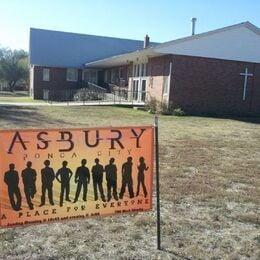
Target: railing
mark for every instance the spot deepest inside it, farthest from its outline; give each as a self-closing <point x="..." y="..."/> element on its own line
<point x="73" y="95"/>
<point x="94" y="94"/>
<point x="94" y="87"/>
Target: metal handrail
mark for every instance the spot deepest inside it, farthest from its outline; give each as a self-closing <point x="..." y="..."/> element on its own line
<point x="94" y="94"/>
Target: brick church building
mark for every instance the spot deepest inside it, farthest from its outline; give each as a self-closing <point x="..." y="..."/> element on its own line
<point x="216" y="72"/>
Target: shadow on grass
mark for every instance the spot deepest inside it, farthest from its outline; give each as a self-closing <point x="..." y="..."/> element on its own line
<point x="14" y="94"/>
<point x="254" y="119"/>
<point x="20" y="117"/>
<point x="175" y="254"/>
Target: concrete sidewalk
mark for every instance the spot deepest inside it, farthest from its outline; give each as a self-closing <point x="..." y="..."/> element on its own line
<point x="88" y="103"/>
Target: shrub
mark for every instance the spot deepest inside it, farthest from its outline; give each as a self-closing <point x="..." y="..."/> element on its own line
<point x="178" y="112"/>
<point x="166" y="109"/>
<point x="84" y="94"/>
<point x="152" y="105"/>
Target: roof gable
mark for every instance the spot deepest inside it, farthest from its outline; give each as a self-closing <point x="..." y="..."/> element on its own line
<point x="237" y="42"/>
<point x="62" y="49"/>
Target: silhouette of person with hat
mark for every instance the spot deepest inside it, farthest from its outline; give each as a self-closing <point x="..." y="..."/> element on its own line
<point x="82" y="178"/>
<point x="127" y="178"/>
<point x="48" y="177"/>
<point x="63" y="176"/>
<point x="29" y="179"/>
<point x="11" y="178"/>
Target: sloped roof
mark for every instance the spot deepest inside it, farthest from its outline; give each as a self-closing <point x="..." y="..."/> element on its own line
<point x="63" y="49"/>
<point x="224" y="46"/>
<point x="239" y="42"/>
<point x="246" y="24"/>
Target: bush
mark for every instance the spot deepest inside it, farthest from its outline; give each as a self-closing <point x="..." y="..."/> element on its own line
<point x="178" y="112"/>
<point x="152" y="105"/>
<point x="84" y="94"/>
<point x="21" y="88"/>
<point x="166" y="109"/>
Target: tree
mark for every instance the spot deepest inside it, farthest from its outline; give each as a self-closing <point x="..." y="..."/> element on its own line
<point x="13" y="66"/>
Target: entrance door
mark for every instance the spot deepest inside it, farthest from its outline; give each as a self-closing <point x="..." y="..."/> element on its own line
<point x="135" y="89"/>
<point x="139" y="89"/>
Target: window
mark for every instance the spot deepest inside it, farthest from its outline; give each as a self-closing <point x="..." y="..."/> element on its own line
<point x="139" y="70"/>
<point x="106" y="76"/>
<point x="114" y="76"/>
<point x="46" y="74"/>
<point x="90" y="76"/>
<point x="134" y="71"/>
<point x="72" y="75"/>
<point x="135" y="89"/>
<point x="121" y="73"/>
<point x="143" y="69"/>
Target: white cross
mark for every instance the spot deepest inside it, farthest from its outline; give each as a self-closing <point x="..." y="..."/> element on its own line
<point x="246" y="74"/>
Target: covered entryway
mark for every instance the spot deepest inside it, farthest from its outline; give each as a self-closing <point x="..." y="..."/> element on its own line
<point x="139" y="82"/>
<point x="139" y="85"/>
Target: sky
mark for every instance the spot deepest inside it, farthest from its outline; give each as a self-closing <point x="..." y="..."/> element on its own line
<point x="162" y="20"/>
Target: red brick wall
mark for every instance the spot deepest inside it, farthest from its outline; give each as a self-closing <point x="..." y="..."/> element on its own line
<point x="255" y="90"/>
<point x="57" y="80"/>
<point x="155" y="88"/>
<point x="214" y="86"/>
<point x="159" y="66"/>
<point x="158" y="70"/>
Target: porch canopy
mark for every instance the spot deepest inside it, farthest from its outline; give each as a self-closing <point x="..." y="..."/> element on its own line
<point x="124" y="59"/>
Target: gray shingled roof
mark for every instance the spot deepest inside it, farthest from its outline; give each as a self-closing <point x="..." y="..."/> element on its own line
<point x="62" y="49"/>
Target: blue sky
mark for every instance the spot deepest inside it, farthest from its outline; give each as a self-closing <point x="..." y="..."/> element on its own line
<point x="162" y="20"/>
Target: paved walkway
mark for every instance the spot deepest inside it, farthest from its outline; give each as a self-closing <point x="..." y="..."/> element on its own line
<point x="89" y="103"/>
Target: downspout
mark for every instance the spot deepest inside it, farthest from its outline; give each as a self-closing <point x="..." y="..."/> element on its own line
<point x="31" y="78"/>
<point x="169" y="85"/>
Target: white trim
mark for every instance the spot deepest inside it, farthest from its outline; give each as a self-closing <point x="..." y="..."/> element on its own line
<point x="246" y="74"/>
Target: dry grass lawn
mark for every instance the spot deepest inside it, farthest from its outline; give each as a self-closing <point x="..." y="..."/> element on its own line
<point x="18" y="96"/>
<point x="210" y="192"/>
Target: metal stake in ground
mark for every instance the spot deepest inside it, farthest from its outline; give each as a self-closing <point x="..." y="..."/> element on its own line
<point x="157" y="183"/>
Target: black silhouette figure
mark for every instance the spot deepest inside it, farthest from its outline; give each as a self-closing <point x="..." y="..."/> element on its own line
<point x="111" y="177"/>
<point x="63" y="176"/>
<point x="48" y="177"/>
<point x="29" y="179"/>
<point x="97" y="176"/>
<point x="82" y="177"/>
<point x="127" y="178"/>
<point x="11" y="178"/>
<point x="140" y="178"/>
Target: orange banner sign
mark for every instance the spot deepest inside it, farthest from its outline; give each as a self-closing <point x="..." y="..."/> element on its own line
<point x="60" y="174"/>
